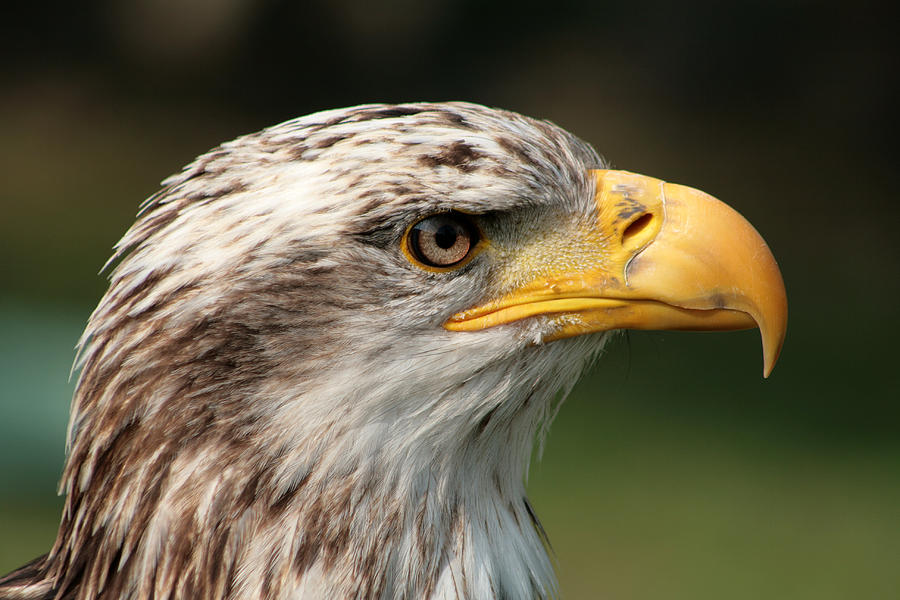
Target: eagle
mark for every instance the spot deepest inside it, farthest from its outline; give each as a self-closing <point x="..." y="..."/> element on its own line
<point x="328" y="349"/>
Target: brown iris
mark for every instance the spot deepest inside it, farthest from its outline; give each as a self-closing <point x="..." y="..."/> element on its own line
<point x="442" y="240"/>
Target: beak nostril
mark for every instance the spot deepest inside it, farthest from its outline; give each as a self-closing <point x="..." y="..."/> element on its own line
<point x="635" y="228"/>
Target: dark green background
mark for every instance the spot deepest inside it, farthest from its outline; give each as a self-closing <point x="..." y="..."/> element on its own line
<point x="674" y="470"/>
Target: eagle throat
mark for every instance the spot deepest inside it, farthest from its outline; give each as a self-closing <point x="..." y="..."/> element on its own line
<point x="419" y="502"/>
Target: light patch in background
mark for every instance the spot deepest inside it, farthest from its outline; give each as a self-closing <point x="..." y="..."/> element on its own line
<point x="37" y="347"/>
<point x="36" y="350"/>
<point x="195" y="31"/>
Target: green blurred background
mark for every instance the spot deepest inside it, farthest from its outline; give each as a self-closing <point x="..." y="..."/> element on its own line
<point x="674" y="470"/>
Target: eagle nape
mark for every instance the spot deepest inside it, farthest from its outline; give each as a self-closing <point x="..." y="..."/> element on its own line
<point x="328" y="347"/>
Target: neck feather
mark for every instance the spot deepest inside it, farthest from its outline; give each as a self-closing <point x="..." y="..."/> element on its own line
<point x="329" y="491"/>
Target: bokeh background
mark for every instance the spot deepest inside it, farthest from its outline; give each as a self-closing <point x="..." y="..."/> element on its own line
<point x="674" y="470"/>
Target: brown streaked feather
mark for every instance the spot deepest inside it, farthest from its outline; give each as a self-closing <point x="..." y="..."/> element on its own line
<point x="268" y="404"/>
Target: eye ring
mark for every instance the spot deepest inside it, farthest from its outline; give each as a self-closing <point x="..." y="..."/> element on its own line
<point x="442" y="242"/>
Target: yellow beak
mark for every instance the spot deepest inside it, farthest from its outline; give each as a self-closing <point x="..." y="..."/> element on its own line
<point x="672" y="258"/>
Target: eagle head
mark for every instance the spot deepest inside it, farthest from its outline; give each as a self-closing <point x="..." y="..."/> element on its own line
<point x="328" y="348"/>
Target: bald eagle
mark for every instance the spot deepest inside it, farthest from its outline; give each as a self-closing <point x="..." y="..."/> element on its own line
<point x="328" y="347"/>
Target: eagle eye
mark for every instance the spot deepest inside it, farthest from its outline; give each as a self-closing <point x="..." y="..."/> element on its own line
<point x="443" y="240"/>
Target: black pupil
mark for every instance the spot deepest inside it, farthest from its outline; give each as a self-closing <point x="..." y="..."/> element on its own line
<point x="445" y="236"/>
